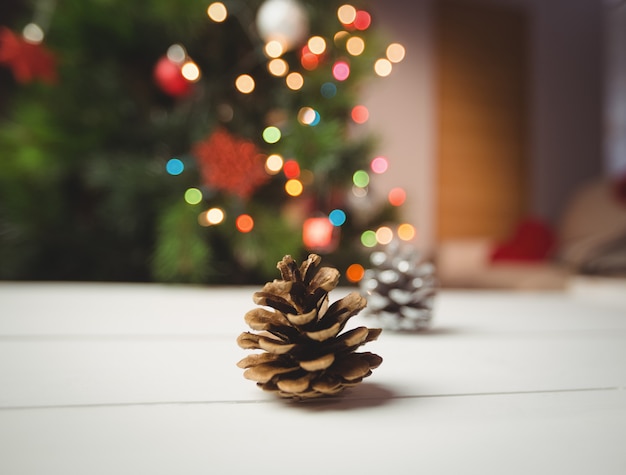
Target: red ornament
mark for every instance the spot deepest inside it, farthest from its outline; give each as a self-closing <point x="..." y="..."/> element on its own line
<point x="28" y="61"/>
<point x="169" y="77"/>
<point x="230" y="164"/>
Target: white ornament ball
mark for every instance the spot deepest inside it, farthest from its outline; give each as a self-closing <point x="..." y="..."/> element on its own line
<point x="283" y="20"/>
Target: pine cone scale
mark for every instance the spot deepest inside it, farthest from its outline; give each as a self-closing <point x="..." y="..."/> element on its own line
<point x="263" y="372"/>
<point x="261" y="319"/>
<point x="256" y="359"/>
<point x="275" y="301"/>
<point x="318" y="364"/>
<point x="298" y="385"/>
<point x="325" y="334"/>
<point x="303" y="318"/>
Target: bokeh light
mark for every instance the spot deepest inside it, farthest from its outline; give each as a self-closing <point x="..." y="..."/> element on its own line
<point x="190" y="71"/>
<point x="396" y="196"/>
<point x="341" y="70"/>
<point x="361" y="178"/>
<point x="355" y="273"/>
<point x="291" y="169"/>
<point x="328" y="90"/>
<point x="202" y="220"/>
<point x="384" y="235"/>
<point x="308" y="116"/>
<point x="309" y="60"/>
<point x="217" y="12"/>
<point x="33" y="33"/>
<point x="294" y="81"/>
<point x="368" y="238"/>
<point x="274" y="48"/>
<point x="316" y="119"/>
<point x="215" y="215"/>
<point x="307" y="177"/>
<point x="340" y="37"/>
<point x="359" y="192"/>
<point x="193" y="196"/>
<point x="360" y="114"/>
<point x="362" y="20"/>
<point x="278" y="67"/>
<point x="244" y="223"/>
<point x="383" y="67"/>
<point x="337" y="217"/>
<point x="294" y="187"/>
<point x="395" y="52"/>
<point x="271" y="134"/>
<point x="346" y="14"/>
<point x="244" y="84"/>
<point x="355" y="45"/>
<point x="317" y="233"/>
<point x="406" y="231"/>
<point x="317" y="45"/>
<point x="274" y="164"/>
<point x="174" y="166"/>
<point x="379" y="165"/>
<point x="176" y="53"/>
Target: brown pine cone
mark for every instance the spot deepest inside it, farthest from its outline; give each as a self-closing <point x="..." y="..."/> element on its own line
<point x="304" y="355"/>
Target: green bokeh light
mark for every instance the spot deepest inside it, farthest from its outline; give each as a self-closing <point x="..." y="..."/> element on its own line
<point x="193" y="196"/>
<point x="361" y="178"/>
<point x="368" y="238"/>
<point x="271" y="134"/>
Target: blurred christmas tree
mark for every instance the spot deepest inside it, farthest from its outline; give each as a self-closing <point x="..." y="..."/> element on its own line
<point x="170" y="141"/>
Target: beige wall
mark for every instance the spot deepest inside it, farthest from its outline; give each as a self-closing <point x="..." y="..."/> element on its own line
<point x="566" y="85"/>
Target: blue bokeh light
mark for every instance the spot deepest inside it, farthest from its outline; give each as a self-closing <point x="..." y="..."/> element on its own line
<point x="337" y="217"/>
<point x="174" y="166"/>
<point x="328" y="90"/>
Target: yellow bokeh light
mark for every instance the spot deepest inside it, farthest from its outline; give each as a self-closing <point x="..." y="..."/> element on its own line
<point x="384" y="235"/>
<point x="294" y="187"/>
<point x="274" y="163"/>
<point x="395" y="52"/>
<point x="202" y="219"/>
<point x="294" y="81"/>
<point x="340" y="37"/>
<point x="274" y="49"/>
<point x="190" y="71"/>
<point x="346" y="14"/>
<point x="245" y="84"/>
<point x="316" y="44"/>
<point x="406" y="232"/>
<point x="217" y="12"/>
<point x="215" y="216"/>
<point x="383" y="67"/>
<point x="306" y="115"/>
<point x="355" y="45"/>
<point x="278" y="67"/>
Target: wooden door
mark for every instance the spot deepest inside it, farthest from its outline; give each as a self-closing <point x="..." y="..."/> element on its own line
<point x="482" y="107"/>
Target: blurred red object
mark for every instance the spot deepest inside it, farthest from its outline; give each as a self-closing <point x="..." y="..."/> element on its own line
<point x="532" y="241"/>
<point x="169" y="77"/>
<point x="28" y="61"/>
<point x="619" y="190"/>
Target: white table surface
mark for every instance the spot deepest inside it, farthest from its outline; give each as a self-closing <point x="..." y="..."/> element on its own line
<point x="141" y="379"/>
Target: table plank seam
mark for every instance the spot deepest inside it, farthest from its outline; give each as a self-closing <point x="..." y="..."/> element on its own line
<point x="266" y="401"/>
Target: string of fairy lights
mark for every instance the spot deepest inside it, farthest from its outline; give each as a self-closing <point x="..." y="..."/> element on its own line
<point x="279" y="24"/>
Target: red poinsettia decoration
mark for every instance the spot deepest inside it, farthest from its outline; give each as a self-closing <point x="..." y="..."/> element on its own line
<point x="230" y="164"/>
<point x="28" y="61"/>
